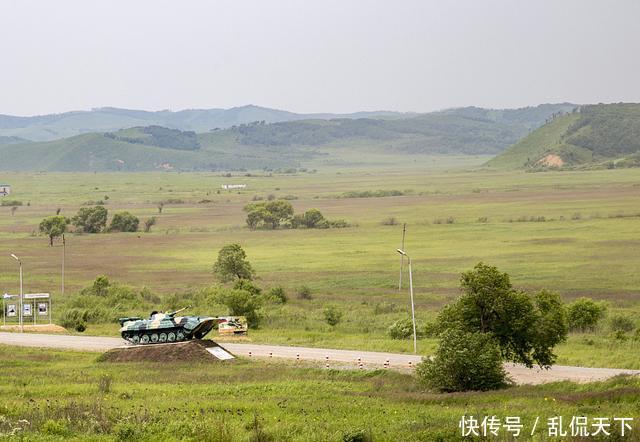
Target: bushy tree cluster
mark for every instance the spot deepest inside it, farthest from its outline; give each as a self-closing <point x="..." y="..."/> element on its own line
<point x="524" y="328"/>
<point x="269" y="214"/>
<point x="124" y="222"/>
<point x="279" y="213"/>
<point x="90" y="219"/>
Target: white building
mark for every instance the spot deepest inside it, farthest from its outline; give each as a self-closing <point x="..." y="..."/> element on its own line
<point x="5" y="189"/>
<point x="234" y="186"/>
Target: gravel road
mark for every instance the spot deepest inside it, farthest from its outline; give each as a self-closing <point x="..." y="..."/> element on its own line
<point x="368" y="359"/>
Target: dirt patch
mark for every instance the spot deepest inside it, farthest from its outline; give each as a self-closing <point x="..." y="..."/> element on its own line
<point x="45" y="328"/>
<point x="551" y="160"/>
<point x="190" y="351"/>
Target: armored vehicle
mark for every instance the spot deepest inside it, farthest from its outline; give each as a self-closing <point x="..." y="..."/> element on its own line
<point x="165" y="327"/>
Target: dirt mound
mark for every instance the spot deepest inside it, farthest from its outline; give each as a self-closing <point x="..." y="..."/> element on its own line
<point x="551" y="160"/>
<point x="38" y="328"/>
<point x="190" y="351"/>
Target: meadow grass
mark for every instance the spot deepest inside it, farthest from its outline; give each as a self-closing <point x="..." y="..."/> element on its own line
<point x="572" y="232"/>
<point x="62" y="395"/>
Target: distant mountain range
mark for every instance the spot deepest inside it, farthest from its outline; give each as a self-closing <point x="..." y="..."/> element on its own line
<point x="603" y="135"/>
<point x="251" y="137"/>
<point x="106" y="119"/>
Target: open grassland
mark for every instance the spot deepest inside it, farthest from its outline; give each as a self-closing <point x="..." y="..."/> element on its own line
<point x="60" y="395"/>
<point x="574" y="232"/>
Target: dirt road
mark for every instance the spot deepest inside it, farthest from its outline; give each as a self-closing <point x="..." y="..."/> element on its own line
<point x="368" y="359"/>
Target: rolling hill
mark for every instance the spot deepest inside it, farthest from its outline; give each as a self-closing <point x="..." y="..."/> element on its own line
<point x="603" y="135"/>
<point x="281" y="144"/>
<point x="106" y="119"/>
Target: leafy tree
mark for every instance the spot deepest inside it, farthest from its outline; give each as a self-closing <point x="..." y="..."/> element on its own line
<point x="464" y="361"/>
<point x="526" y="328"/>
<point x="54" y="226"/>
<point x="149" y="223"/>
<point x="90" y="219"/>
<point x="584" y="314"/>
<point x="232" y="263"/>
<point x="313" y="218"/>
<point x="124" y="222"/>
<point x="332" y="315"/>
<point x="269" y="214"/>
<point x="246" y="285"/>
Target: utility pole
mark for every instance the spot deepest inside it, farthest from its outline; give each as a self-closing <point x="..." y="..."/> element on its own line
<point x="64" y="246"/>
<point x="404" y="230"/>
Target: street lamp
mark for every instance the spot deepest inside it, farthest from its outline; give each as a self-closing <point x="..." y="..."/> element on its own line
<point x="20" y="315"/>
<point x="413" y="310"/>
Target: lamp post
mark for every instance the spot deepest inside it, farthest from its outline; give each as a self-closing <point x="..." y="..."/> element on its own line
<point x="20" y="315"/>
<point x="413" y="310"/>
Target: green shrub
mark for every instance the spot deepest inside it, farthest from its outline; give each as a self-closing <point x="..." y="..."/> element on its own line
<point x="357" y="435"/>
<point x="241" y="303"/>
<point x="278" y="295"/>
<point x="74" y="319"/>
<point x="304" y="292"/>
<point x="332" y="315"/>
<point x="248" y="286"/>
<point x="124" y="222"/>
<point x="55" y="428"/>
<point x="584" y="314"/>
<point x="463" y="361"/>
<point x="621" y="323"/>
<point x="402" y="329"/>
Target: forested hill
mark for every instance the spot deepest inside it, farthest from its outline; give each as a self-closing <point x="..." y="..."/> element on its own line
<point x="109" y="119"/>
<point x="603" y="135"/>
<point x="261" y="144"/>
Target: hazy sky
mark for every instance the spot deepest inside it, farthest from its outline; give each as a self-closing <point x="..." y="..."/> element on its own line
<point x="315" y="56"/>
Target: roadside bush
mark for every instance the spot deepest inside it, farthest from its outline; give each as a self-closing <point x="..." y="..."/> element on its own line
<point x="621" y="323"/>
<point x="124" y="222"/>
<point x="584" y="314"/>
<point x="74" y="319"/>
<point x="278" y="295"/>
<point x="304" y="292"/>
<point x="241" y="303"/>
<point x="463" y="361"/>
<point x="402" y="329"/>
<point x="391" y="221"/>
<point x="99" y="287"/>
<point x="332" y="315"/>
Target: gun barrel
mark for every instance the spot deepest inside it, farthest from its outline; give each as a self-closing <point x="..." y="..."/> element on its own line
<point x="180" y="310"/>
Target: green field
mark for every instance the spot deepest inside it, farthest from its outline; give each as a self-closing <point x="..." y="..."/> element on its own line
<point x="58" y="395"/>
<point x="573" y="232"/>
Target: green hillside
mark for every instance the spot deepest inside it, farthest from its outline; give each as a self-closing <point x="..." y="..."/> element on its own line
<point x="117" y="152"/>
<point x="603" y="135"/>
<point x="259" y="144"/>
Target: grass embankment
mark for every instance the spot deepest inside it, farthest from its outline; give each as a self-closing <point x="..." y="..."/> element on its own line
<point x="60" y="395"/>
